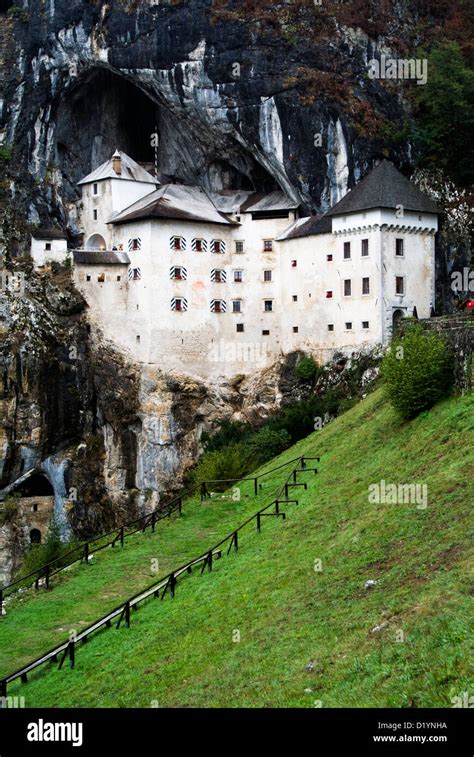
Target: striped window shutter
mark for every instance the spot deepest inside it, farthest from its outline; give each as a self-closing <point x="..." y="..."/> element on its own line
<point x="134" y="274"/>
<point x="181" y="240"/>
<point x="218" y="306"/>
<point x="184" y="273"/>
<point x="182" y="300"/>
<point x="218" y="242"/>
<point x="195" y="245"/>
<point x="214" y="276"/>
<point x="134" y="244"/>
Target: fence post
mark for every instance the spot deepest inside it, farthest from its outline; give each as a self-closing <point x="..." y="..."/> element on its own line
<point x="258" y="521"/>
<point x="172" y="582"/>
<point x="72" y="653"/>
<point x="236" y="541"/>
<point x="209" y="561"/>
<point x="121" y="536"/>
<point x="277" y="507"/>
<point x="47" y="576"/>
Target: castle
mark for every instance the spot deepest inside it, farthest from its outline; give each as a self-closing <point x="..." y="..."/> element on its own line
<point x="220" y="284"/>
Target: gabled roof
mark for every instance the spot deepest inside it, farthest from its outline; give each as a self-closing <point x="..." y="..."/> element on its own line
<point x="101" y="257"/>
<point x="131" y="171"/>
<point x="307" y="227"/>
<point x="174" y="201"/>
<point x="384" y="187"/>
<point x="272" y="201"/>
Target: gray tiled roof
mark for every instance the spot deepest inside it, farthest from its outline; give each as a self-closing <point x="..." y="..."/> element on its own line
<point x="384" y="187"/>
<point x="101" y="257"/>
<point x="131" y="171"/>
<point x="307" y="227"/>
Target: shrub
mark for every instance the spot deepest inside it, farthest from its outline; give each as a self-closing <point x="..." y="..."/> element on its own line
<point x="417" y="372"/>
<point x="267" y="443"/>
<point x="9" y="509"/>
<point x="307" y="369"/>
<point x="230" y="462"/>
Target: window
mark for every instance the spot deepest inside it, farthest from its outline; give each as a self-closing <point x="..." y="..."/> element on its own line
<point x="197" y="243"/>
<point x="366" y="285"/>
<point x="294" y="263"/>
<point x="236" y="306"/>
<point x="347" y="287"/>
<point x="218" y="306"/>
<point x="399" y="251"/>
<point x="88" y="278"/>
<point x="217" y="246"/>
<point x="34" y="508"/>
<point x="134" y="274"/>
<point x="177" y="243"/>
<point x="348" y="325"/>
<point x="119" y="278"/>
<point x="330" y="327"/>
<point x="101" y="277"/>
<point x="365" y="324"/>
<point x="267" y="275"/>
<point x="179" y="304"/>
<point x="47" y="246"/>
<point x="399" y="285"/>
<point x="239" y="327"/>
<point x="295" y="298"/>
<point x="295" y="329"/>
<point x="364" y="248"/>
<point x="218" y="276"/>
<point x="268" y="306"/>
<point x="267" y="245"/>
<point x="135" y="244"/>
<point x="95" y="215"/>
<point x="329" y="294"/>
<point x="178" y="273"/>
<point x="95" y="189"/>
<point x="239" y="246"/>
<point x="265" y="332"/>
<point x="347" y="250"/>
<point x="329" y="258"/>
<point x="238" y="275"/>
<point x="137" y="338"/>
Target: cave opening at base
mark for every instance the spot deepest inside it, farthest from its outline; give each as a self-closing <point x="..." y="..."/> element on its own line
<point x="105" y="111"/>
<point x="5" y="6"/>
<point x="36" y="485"/>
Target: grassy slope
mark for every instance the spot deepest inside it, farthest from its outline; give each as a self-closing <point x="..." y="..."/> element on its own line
<point x="181" y="652"/>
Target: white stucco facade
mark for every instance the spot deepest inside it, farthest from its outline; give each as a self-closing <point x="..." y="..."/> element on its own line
<point x="168" y="295"/>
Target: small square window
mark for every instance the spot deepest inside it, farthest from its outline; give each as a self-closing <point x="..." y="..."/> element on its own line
<point x="347" y="287"/>
<point x="236" y="306"/>
<point x="348" y="325"/>
<point x="329" y="258"/>
<point x="295" y="329"/>
<point x="329" y="294"/>
<point x="330" y="327"/>
<point x="365" y="324"/>
<point x="119" y="278"/>
<point x="399" y="285"/>
<point x="34" y="508"/>
<point x="88" y="328"/>
<point x="399" y="251"/>
<point x="88" y="278"/>
<point x="176" y="244"/>
<point x="239" y="246"/>
<point x="265" y="332"/>
<point x="268" y="306"/>
<point x="216" y="245"/>
<point x="347" y="250"/>
<point x="47" y="246"/>
<point x="239" y="327"/>
<point x="294" y="263"/>
<point x="267" y="245"/>
<point x="295" y="298"/>
<point x="95" y="215"/>
<point x="366" y="285"/>
<point x="101" y="277"/>
<point x="178" y="304"/>
<point x="267" y="275"/>
<point x="96" y="189"/>
<point x="238" y="276"/>
<point x="198" y="245"/>
<point x="365" y="248"/>
<point x="137" y="338"/>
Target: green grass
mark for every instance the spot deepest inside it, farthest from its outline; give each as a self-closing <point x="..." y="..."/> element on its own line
<point x="183" y="653"/>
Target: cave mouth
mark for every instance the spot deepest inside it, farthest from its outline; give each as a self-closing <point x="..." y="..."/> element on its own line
<point x="105" y="111"/>
<point x="5" y="6"/>
<point x="36" y="485"/>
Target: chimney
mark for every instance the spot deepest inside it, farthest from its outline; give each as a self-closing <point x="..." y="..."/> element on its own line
<point x="117" y="163"/>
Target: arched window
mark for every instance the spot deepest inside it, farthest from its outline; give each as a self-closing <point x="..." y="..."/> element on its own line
<point x="35" y="536"/>
<point x="96" y="242"/>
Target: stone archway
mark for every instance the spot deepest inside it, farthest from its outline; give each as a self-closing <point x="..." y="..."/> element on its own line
<point x="35" y="536"/>
<point x="96" y="242"/>
<point x="397" y="316"/>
